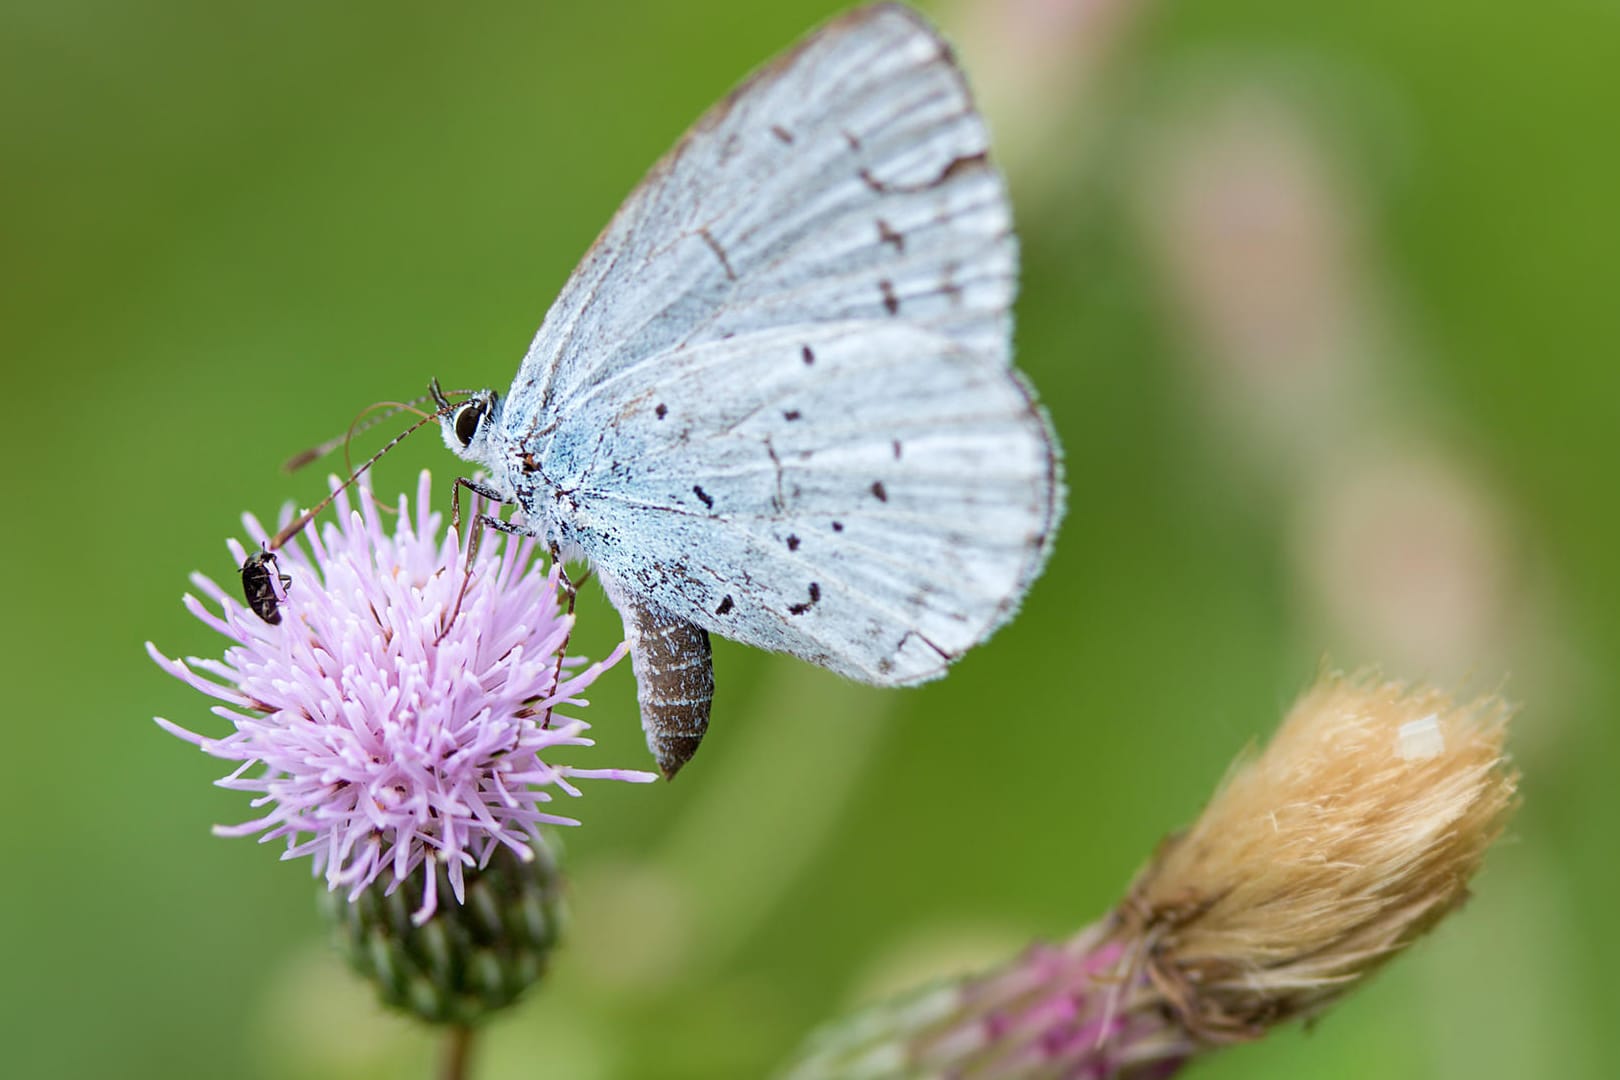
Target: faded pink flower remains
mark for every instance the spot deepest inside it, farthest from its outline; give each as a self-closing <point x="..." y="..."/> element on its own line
<point x="380" y="745"/>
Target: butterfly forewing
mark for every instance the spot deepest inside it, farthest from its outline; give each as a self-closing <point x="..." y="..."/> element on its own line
<point x="848" y="179"/>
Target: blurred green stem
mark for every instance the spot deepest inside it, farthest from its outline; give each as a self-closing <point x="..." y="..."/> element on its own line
<point x="829" y="730"/>
<point x="457" y="1052"/>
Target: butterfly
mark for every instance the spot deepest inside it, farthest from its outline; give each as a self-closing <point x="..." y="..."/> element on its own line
<point x="775" y="401"/>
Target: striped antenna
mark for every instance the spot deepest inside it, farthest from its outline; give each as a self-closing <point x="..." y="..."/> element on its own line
<point x="296" y="526"/>
<point x="383" y="410"/>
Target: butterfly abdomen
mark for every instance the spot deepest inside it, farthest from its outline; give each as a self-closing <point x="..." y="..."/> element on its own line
<point x="674" y="678"/>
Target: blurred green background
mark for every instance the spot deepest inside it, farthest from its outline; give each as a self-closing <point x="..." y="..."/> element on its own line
<point x="1321" y="299"/>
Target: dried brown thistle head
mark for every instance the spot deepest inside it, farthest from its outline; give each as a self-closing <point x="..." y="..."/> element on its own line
<point x="1350" y="835"/>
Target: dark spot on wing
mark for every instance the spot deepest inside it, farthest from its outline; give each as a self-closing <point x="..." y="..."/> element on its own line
<point x="793" y="543"/>
<point x="528" y="463"/>
<point x="791" y="414"/>
<point x="887" y="235"/>
<point x="782" y="133"/>
<point x="891" y="302"/>
<point x="851" y="138"/>
<point x="708" y="500"/>
<point x="885" y="666"/>
<point x="809" y="357"/>
<point x="877" y="490"/>
<point x="719" y="253"/>
<point x="896" y="445"/>
<point x="838" y="526"/>
<point x="725" y="606"/>
<point x="873" y="182"/>
<point x="800" y="609"/>
<point x="662" y="410"/>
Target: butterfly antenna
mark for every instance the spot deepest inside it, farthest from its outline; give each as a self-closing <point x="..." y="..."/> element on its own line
<point x="438" y="397"/>
<point x="296" y="526"/>
<point x="357" y="426"/>
<point x="360" y="424"/>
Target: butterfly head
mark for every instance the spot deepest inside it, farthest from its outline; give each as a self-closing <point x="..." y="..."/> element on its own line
<point x="469" y="426"/>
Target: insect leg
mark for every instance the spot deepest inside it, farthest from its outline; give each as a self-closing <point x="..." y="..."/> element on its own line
<point x="570" y="586"/>
<point x="570" y="589"/>
<point x="474" y="538"/>
<point x="477" y="489"/>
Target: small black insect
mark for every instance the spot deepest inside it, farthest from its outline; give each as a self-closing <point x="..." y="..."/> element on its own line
<point x="264" y="589"/>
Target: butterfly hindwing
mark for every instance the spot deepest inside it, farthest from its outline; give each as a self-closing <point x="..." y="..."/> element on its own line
<point x="867" y="495"/>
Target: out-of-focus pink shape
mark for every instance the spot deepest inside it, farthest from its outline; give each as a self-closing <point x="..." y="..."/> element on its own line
<point x="1032" y="64"/>
<point x="1405" y="556"/>
<point x="1256" y="240"/>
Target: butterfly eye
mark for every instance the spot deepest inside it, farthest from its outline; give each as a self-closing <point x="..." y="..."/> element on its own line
<point x="467" y="422"/>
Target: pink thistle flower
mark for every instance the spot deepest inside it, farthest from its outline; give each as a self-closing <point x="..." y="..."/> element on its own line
<point x="372" y="745"/>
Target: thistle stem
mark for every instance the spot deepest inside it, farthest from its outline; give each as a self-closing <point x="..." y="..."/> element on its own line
<point x="457" y="1052"/>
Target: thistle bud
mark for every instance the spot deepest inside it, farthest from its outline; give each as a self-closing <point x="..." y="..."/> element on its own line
<point x="466" y="960"/>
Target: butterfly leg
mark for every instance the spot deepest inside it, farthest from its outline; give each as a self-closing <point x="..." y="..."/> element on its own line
<point x="480" y="523"/>
<point x="570" y="589"/>
<point x="569" y="585"/>
<point x="674" y="677"/>
<point x="476" y="488"/>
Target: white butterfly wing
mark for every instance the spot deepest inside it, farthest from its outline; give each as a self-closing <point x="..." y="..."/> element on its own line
<point x="866" y="495"/>
<point x="847" y="179"/>
<point x="776" y="397"/>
